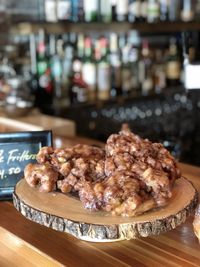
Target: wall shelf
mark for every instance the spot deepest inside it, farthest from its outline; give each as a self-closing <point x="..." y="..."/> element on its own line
<point x="60" y="27"/>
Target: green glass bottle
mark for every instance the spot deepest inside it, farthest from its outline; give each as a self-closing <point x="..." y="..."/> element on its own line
<point x="90" y="10"/>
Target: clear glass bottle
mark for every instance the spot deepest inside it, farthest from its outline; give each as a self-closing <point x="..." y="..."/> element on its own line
<point x="50" y="7"/>
<point x="106" y="11"/>
<point x="64" y="10"/>
<point x="134" y="10"/>
<point x="122" y="10"/>
<point x="153" y="11"/>
<point x="187" y="12"/>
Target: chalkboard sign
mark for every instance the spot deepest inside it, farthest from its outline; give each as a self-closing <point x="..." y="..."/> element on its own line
<point x="16" y="151"/>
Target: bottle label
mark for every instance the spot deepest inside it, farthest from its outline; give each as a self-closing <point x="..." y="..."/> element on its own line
<point x="153" y="11"/>
<point x="122" y="7"/>
<point x="89" y="74"/>
<point x="173" y="70"/>
<point x="90" y="6"/>
<point x="64" y="10"/>
<point x="50" y="10"/>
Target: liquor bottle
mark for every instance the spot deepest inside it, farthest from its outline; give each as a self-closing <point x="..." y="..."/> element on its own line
<point x="50" y="10"/>
<point x="122" y="10"/>
<point x="115" y="64"/>
<point x="67" y="62"/>
<point x="145" y="69"/>
<point x="90" y="10"/>
<point x="78" y="88"/>
<point x="187" y="12"/>
<point x="134" y="41"/>
<point x="126" y="71"/>
<point x="105" y="10"/>
<point x="89" y="69"/>
<point x="64" y="10"/>
<point x="174" y="10"/>
<point x="143" y="10"/>
<point x="159" y="71"/>
<point x="164" y="10"/>
<point x="197" y="10"/>
<point x="60" y="95"/>
<point x="134" y="10"/>
<point x="153" y="11"/>
<point x="33" y="58"/>
<point x="173" y="66"/>
<point x="103" y="72"/>
<point x="45" y="86"/>
<point x="113" y="6"/>
<point x="77" y="10"/>
<point x="80" y="49"/>
<point x="41" y="10"/>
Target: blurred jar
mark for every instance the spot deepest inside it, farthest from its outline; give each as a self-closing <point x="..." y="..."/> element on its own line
<point x="19" y="101"/>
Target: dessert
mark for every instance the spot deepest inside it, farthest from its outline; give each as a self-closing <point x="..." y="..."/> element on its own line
<point x="196" y="222"/>
<point x="128" y="177"/>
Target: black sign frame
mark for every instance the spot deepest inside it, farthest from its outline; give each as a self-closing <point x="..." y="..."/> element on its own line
<point x="12" y="139"/>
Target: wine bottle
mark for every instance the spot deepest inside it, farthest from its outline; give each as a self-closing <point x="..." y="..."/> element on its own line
<point x="103" y="72"/>
<point x="89" y="69"/>
<point x="115" y="62"/>
<point x="173" y="66"/>
<point x="145" y="69"/>
<point x="60" y="96"/>
<point x="90" y="10"/>
<point x="126" y="70"/>
<point x="159" y="71"/>
<point x="113" y="6"/>
<point x="45" y="86"/>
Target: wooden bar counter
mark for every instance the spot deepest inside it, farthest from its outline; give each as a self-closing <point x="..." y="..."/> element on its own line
<point x="25" y="243"/>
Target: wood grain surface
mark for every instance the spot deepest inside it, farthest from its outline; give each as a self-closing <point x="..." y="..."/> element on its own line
<point x="65" y="213"/>
<point x="178" y="247"/>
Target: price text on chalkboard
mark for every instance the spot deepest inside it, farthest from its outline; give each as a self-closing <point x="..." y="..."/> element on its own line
<point x="16" y="151"/>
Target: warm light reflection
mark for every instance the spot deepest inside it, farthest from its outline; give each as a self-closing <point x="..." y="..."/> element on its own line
<point x="10" y="239"/>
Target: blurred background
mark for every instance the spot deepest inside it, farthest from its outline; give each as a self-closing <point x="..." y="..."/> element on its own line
<point x="101" y="63"/>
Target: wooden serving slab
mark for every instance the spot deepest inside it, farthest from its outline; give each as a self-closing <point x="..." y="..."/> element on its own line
<point x="65" y="213"/>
